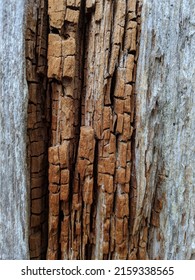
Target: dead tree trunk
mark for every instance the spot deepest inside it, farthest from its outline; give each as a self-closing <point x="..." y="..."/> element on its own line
<point x="109" y="133"/>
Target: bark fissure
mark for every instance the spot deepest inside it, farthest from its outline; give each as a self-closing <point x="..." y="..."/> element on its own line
<point x="38" y="124"/>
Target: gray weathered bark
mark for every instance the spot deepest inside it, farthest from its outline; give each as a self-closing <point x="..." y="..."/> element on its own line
<point x="165" y="142"/>
<point x="13" y="111"/>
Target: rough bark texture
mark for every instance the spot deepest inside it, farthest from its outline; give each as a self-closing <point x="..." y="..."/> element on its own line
<point x="13" y="106"/>
<point x="109" y="134"/>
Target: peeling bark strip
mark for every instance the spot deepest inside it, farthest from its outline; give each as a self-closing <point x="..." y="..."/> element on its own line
<point x="91" y="71"/>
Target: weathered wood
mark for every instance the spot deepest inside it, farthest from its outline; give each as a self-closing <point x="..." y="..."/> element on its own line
<point x="91" y="69"/>
<point x="13" y="113"/>
<point x="36" y="33"/>
<point x="165" y="143"/>
<point x="120" y="157"/>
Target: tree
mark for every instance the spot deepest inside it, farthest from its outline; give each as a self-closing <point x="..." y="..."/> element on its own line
<point x="109" y="132"/>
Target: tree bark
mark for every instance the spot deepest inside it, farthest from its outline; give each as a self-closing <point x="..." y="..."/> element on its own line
<point x="107" y="125"/>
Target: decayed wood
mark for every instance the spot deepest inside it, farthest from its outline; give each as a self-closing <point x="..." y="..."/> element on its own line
<point x="110" y="165"/>
<point x="91" y="71"/>
<point x="37" y="124"/>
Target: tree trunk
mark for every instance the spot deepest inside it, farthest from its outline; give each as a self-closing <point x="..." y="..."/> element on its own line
<point x="109" y="130"/>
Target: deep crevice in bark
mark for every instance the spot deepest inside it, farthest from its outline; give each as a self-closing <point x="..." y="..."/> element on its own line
<point x="38" y="126"/>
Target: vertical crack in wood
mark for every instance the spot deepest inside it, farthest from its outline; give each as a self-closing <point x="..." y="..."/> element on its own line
<point x="38" y="124"/>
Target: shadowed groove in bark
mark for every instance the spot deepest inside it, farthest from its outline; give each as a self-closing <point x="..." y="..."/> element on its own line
<point x="38" y="124"/>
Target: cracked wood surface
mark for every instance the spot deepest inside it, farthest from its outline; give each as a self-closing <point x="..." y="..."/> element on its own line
<point x="110" y="148"/>
<point x="91" y="72"/>
<point x="37" y="124"/>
